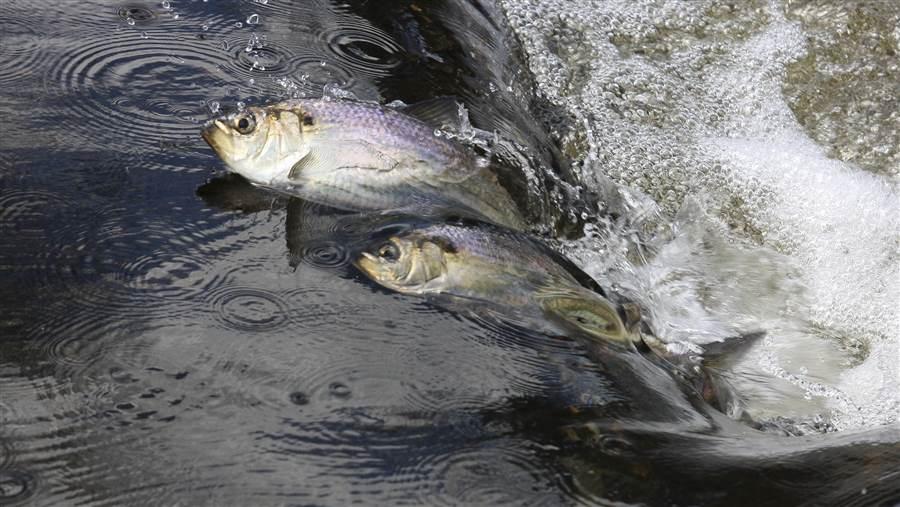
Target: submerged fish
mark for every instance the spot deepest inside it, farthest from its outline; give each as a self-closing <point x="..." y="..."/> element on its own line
<point x="496" y="267"/>
<point x="360" y="157"/>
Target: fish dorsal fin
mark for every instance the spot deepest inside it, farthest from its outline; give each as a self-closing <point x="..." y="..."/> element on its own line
<point x="439" y="113"/>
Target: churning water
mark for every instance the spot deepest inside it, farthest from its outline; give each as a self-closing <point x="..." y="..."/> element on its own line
<point x="172" y="336"/>
<point x="769" y="132"/>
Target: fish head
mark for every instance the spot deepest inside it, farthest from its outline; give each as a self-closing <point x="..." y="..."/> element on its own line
<point x="406" y="264"/>
<point x="261" y="144"/>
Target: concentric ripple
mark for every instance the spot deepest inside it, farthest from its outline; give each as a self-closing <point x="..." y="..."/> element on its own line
<point x="15" y="486"/>
<point x="170" y="276"/>
<point x="21" y="50"/>
<point x="114" y="84"/>
<point x="324" y="254"/>
<point x="139" y="14"/>
<point x="249" y="309"/>
<point x="252" y="58"/>
<point x="362" y="48"/>
<point x="24" y="212"/>
<point x="507" y="474"/>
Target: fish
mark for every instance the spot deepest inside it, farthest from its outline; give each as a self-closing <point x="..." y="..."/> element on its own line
<point x="361" y="156"/>
<point x="497" y="267"/>
<point x="498" y="272"/>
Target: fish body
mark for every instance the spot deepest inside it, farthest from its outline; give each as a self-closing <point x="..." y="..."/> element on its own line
<point x="495" y="267"/>
<point x="358" y="156"/>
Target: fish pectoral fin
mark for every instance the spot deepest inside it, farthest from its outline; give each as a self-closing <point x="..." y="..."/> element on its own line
<point x="363" y="155"/>
<point x="341" y="156"/>
<point x="310" y="164"/>
<point x="439" y="113"/>
<point x="586" y="311"/>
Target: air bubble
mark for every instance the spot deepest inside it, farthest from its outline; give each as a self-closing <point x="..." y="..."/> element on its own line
<point x="253" y="19"/>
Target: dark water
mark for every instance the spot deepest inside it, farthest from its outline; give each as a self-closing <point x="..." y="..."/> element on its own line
<point x="169" y="336"/>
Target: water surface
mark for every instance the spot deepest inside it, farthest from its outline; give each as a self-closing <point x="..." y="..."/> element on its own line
<point x="172" y="336"/>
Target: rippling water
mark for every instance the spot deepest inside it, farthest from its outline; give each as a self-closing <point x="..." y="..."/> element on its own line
<point x="170" y="335"/>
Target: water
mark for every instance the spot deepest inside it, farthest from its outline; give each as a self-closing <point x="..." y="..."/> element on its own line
<point x="172" y="336"/>
<point x="766" y="130"/>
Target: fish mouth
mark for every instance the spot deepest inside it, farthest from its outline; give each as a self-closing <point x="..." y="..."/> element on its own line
<point x="214" y="133"/>
<point x="368" y="264"/>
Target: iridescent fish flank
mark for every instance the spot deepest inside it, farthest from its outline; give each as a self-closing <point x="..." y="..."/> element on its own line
<point x="358" y="156"/>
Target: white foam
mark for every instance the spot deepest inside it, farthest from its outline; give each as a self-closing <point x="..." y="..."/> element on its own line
<point x="682" y="102"/>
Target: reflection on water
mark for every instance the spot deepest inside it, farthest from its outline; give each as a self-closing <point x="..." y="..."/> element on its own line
<point x="169" y="339"/>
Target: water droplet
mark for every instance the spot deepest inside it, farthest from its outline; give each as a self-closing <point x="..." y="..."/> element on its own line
<point x="204" y="27"/>
<point x="238" y="24"/>
<point x="252" y="81"/>
<point x="213" y="106"/>
<point x="175" y="15"/>
<point x="253" y="43"/>
<point x="264" y="2"/>
<point x="130" y="21"/>
<point x="253" y="19"/>
<point x="339" y="390"/>
<point x="241" y="106"/>
<point x="166" y="5"/>
<point x="144" y="35"/>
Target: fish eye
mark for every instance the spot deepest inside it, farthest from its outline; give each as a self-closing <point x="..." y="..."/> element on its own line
<point x="389" y="252"/>
<point x="245" y="124"/>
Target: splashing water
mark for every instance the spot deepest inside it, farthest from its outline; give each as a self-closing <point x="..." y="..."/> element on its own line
<point x="738" y="219"/>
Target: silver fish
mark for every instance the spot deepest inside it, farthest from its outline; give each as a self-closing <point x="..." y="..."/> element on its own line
<point x="358" y="156"/>
<point x="496" y="267"/>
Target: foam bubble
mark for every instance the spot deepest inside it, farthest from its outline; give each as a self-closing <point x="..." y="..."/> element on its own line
<point x="735" y="218"/>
